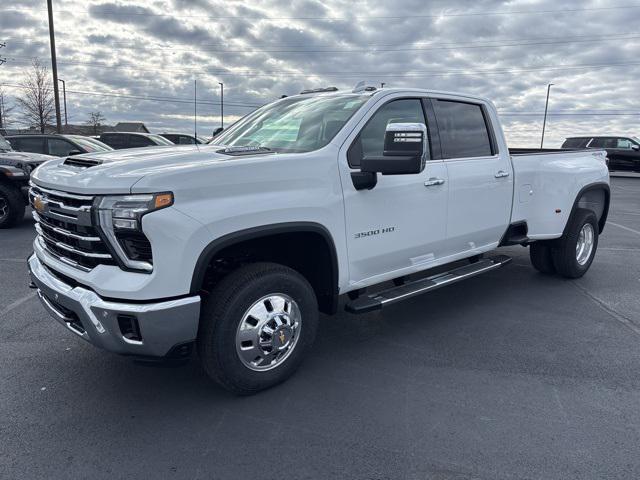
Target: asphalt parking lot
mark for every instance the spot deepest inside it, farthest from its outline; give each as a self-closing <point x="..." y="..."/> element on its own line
<point x="509" y="375"/>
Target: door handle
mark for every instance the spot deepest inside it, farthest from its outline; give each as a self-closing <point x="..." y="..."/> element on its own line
<point x="433" y="181"/>
<point x="501" y="174"/>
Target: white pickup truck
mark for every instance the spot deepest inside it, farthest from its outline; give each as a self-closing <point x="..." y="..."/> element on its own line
<point x="234" y="247"/>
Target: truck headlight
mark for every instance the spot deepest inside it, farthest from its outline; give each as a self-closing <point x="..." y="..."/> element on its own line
<point x="120" y="220"/>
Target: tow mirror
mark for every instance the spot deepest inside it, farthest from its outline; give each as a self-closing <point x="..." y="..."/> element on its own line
<point x="405" y="151"/>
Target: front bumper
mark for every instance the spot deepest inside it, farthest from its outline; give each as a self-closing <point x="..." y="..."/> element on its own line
<point x="162" y="325"/>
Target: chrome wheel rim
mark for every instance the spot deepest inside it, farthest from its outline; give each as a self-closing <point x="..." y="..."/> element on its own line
<point x="584" y="246"/>
<point x="268" y="332"/>
<point x="4" y="207"/>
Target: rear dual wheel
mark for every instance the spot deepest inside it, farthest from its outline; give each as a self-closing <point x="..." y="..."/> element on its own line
<point x="572" y="254"/>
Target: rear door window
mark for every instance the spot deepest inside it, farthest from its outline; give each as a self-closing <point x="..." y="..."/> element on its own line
<point x="604" y="142"/>
<point x="139" y="141"/>
<point x="60" y="147"/>
<point x="463" y="130"/>
<point x="114" y="141"/>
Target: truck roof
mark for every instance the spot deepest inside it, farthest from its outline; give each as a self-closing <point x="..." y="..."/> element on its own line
<point x="379" y="91"/>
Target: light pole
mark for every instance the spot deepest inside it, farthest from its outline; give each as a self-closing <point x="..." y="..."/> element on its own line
<point x="54" y="67"/>
<point x="195" y="109"/>
<point x="64" y="100"/>
<point x="221" y="104"/>
<point x="546" y="108"/>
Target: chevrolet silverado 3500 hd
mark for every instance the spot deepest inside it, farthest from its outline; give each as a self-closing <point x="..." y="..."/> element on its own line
<point x="234" y="247"/>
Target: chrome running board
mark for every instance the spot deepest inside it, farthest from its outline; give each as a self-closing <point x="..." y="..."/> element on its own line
<point x="376" y="301"/>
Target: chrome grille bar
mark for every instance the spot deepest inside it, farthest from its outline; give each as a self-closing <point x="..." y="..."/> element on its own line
<point x="61" y="258"/>
<point x="62" y="231"/>
<point x="69" y="248"/>
<point x="67" y="230"/>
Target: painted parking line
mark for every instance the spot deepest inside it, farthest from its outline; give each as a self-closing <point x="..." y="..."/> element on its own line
<point x="17" y="303"/>
<point x="637" y="232"/>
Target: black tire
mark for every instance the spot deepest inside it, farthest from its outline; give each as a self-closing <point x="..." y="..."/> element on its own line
<point x="542" y="257"/>
<point x="223" y="311"/>
<point x="12" y="205"/>
<point x="564" y="253"/>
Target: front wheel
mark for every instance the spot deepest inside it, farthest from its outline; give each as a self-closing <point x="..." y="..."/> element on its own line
<point x="575" y="251"/>
<point x="12" y="206"/>
<point x="256" y="327"/>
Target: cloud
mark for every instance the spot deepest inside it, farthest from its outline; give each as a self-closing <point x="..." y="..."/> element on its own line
<point x="262" y="50"/>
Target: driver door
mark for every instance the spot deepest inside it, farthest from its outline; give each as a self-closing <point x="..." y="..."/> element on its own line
<point x="399" y="226"/>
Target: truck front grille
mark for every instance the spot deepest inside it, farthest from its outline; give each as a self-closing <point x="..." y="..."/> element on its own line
<point x="66" y="228"/>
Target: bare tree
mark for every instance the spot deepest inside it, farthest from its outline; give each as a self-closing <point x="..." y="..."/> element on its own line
<point x="96" y="119"/>
<point x="36" y="103"/>
<point x="5" y="109"/>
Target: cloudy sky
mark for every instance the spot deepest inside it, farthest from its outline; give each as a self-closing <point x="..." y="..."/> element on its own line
<point x="114" y="54"/>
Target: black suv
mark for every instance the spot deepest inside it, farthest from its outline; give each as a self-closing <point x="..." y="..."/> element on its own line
<point x="57" y="145"/>
<point x="623" y="152"/>
<point x="183" y="138"/>
<point x="120" y="140"/>
<point x="15" y="170"/>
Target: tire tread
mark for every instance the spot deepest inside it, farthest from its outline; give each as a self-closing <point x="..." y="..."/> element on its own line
<point x="215" y="310"/>
<point x="16" y="205"/>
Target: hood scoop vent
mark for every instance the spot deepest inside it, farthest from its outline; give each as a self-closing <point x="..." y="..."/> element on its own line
<point x="81" y="162"/>
<point x="240" y="151"/>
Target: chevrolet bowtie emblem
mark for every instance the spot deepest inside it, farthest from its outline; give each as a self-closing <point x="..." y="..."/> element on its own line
<point x="282" y="337"/>
<point x="38" y="204"/>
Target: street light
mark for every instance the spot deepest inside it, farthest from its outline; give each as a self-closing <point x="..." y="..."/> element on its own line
<point x="64" y="97"/>
<point x="221" y="104"/>
<point x="54" y="67"/>
<point x="546" y="108"/>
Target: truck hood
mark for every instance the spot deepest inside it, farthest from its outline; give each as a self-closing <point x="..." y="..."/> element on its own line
<point x="24" y="157"/>
<point x="117" y="171"/>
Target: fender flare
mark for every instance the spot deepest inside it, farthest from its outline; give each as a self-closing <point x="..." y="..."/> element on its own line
<point x="605" y="212"/>
<point x="253" y="233"/>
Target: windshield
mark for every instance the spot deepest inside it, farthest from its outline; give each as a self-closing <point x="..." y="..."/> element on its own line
<point x="160" y="140"/>
<point x="299" y="124"/>
<point x="4" y="145"/>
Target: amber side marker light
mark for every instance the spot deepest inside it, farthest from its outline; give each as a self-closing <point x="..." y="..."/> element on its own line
<point x="163" y="200"/>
